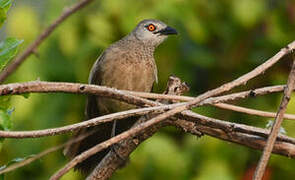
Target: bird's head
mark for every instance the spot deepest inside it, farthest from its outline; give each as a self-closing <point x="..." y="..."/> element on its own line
<point x="152" y="32"/>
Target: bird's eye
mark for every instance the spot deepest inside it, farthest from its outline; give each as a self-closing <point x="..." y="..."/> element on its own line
<point x="151" y="27"/>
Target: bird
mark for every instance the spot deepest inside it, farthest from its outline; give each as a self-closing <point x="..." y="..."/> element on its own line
<point x="127" y="64"/>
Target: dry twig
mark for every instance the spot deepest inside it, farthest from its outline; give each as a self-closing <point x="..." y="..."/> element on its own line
<point x="277" y="124"/>
<point x="41" y="154"/>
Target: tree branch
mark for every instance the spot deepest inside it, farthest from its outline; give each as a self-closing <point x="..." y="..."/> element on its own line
<point x="251" y="111"/>
<point x="134" y="131"/>
<point x="277" y="124"/>
<point x="226" y="133"/>
<point x="43" y="153"/>
<point x="19" y="88"/>
<point x="31" y="49"/>
<point x="120" y="153"/>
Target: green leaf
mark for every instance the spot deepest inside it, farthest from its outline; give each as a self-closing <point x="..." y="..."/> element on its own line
<point x="2" y="177"/>
<point x="4" y="102"/>
<point x="4" y="7"/>
<point x="5" y="122"/>
<point x="8" y="49"/>
<point x="26" y="95"/>
<point x="5" y="4"/>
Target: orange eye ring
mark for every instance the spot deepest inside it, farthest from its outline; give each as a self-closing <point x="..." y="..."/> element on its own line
<point x="151" y="27"/>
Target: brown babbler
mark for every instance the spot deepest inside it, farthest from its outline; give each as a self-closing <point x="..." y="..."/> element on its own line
<point x="127" y="64"/>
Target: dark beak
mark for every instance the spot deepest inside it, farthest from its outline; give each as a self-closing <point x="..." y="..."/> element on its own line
<point x="167" y="31"/>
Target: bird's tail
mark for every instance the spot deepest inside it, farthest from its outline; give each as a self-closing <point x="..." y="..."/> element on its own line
<point x="101" y="133"/>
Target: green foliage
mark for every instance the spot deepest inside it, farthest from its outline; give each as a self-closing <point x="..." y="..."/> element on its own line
<point x="4" y="6"/>
<point x="5" y="122"/>
<point x="8" y="49"/>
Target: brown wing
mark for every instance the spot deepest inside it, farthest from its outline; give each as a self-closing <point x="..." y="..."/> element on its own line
<point x="119" y="69"/>
<point x="102" y="132"/>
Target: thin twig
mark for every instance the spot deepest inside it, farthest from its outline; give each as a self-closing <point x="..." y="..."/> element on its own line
<point x="43" y="153"/>
<point x="276" y="126"/>
<point x="219" y="105"/>
<point x="252" y="111"/>
<point x="32" y="48"/>
<point x="84" y="124"/>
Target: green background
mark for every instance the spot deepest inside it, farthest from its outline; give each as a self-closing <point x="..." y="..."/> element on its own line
<point x="218" y="41"/>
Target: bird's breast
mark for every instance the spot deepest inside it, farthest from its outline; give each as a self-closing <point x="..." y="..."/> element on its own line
<point x="126" y="74"/>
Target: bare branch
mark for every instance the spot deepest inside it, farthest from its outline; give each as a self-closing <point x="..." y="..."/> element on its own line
<point x="19" y="88"/>
<point x="120" y="153"/>
<point x="226" y="133"/>
<point x="32" y="48"/>
<point x="44" y="153"/>
<point x="252" y="93"/>
<point x="252" y="111"/>
<point x="232" y="127"/>
<point x="84" y="124"/>
<point x="277" y="124"/>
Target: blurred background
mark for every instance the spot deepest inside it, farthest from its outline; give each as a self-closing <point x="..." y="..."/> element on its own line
<point x="218" y="41"/>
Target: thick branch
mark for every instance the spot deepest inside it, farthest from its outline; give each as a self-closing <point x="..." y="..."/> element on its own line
<point x="120" y="153"/>
<point x="30" y="50"/>
<point x="226" y="133"/>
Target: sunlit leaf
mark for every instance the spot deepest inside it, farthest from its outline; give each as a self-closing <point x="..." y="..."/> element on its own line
<point x="4" y="102"/>
<point x="5" y="122"/>
<point x="8" y="49"/>
<point x="26" y="95"/>
<point x="4" y="6"/>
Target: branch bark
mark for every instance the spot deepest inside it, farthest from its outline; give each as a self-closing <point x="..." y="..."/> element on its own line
<point x="276" y="126"/>
<point x="41" y="154"/>
<point x="38" y="86"/>
<point x="120" y="153"/>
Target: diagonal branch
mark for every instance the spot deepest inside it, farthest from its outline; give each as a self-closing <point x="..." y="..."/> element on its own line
<point x="225" y="132"/>
<point x="120" y="152"/>
<point x="277" y="124"/>
<point x="30" y="50"/>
